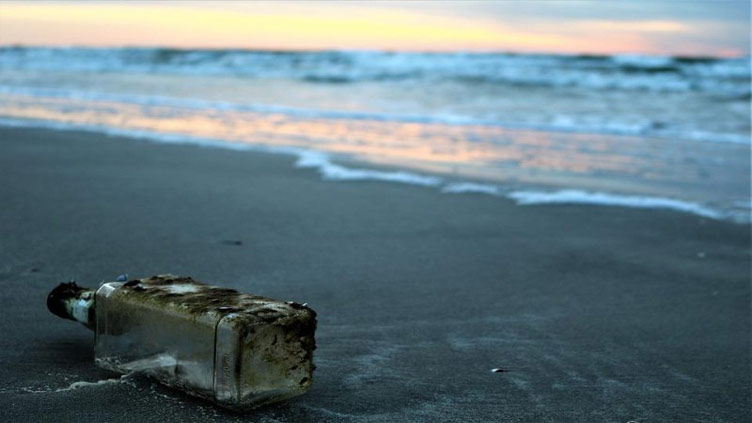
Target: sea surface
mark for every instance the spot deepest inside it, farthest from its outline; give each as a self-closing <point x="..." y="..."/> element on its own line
<point x="634" y="131"/>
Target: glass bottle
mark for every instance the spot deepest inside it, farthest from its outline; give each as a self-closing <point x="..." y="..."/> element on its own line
<point x="238" y="350"/>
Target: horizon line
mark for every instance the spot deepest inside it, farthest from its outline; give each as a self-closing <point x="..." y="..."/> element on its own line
<point x="366" y="50"/>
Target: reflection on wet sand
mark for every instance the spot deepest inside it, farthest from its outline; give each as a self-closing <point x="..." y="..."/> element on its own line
<point x="707" y="172"/>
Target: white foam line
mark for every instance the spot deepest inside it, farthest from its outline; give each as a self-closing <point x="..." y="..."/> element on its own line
<point x="470" y="187"/>
<point x="573" y="196"/>
<point x="335" y="172"/>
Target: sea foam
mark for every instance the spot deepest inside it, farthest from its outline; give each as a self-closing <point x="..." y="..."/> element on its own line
<point x="335" y="172"/>
<point x="573" y="196"/>
<point x="470" y="187"/>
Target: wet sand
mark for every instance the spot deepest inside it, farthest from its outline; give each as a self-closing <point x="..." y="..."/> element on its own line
<point x="593" y="313"/>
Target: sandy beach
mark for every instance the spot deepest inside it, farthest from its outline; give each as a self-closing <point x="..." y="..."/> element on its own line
<point x="594" y="314"/>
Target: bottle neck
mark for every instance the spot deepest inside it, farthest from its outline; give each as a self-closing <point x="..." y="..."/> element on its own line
<point x="73" y="302"/>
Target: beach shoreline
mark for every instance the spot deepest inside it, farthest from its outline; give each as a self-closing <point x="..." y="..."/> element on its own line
<point x="537" y="186"/>
<point x="595" y="313"/>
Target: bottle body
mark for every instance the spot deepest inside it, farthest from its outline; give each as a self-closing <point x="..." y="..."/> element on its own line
<point x="238" y="350"/>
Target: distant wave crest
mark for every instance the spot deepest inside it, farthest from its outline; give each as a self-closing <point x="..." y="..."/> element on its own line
<point x="729" y="77"/>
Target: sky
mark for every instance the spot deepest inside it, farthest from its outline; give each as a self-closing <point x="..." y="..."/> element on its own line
<point x="658" y="27"/>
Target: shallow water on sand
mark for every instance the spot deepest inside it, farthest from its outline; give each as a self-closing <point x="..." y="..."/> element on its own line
<point x="628" y="131"/>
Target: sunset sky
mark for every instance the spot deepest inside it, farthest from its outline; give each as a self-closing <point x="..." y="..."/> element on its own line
<point x="643" y="27"/>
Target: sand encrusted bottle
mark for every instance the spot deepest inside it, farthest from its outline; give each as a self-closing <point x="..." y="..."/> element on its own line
<point x="238" y="350"/>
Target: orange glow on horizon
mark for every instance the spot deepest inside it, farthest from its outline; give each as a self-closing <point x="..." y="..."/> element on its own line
<point x="325" y="26"/>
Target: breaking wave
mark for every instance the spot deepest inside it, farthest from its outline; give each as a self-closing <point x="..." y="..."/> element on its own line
<point x="729" y="77"/>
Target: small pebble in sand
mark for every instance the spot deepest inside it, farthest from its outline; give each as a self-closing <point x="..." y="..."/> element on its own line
<point x="232" y="242"/>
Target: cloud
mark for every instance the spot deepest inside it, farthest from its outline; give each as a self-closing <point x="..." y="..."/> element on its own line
<point x="631" y="26"/>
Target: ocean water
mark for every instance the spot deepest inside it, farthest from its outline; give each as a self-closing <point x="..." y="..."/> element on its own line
<point x="659" y="132"/>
